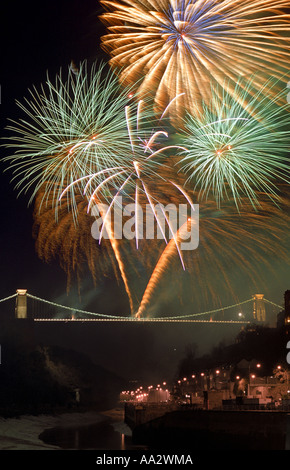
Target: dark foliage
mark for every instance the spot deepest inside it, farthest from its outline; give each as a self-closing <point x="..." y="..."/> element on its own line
<point x="260" y="343"/>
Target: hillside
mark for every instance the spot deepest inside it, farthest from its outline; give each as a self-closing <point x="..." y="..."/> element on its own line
<point x="39" y="379"/>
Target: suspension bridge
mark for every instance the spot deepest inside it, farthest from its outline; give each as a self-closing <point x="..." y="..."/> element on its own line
<point x="43" y="310"/>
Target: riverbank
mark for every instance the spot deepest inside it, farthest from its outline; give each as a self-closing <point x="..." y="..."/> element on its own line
<point x="23" y="433"/>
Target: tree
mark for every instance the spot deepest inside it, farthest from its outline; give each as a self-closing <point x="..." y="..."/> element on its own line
<point x="282" y="376"/>
<point x="187" y="364"/>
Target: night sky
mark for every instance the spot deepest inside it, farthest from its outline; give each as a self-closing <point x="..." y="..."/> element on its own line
<point x="37" y="38"/>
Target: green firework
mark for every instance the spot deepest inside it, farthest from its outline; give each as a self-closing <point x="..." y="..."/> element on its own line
<point x="238" y="145"/>
<point x="73" y="127"/>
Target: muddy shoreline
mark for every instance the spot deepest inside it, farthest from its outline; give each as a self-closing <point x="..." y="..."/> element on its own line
<point x="23" y="433"/>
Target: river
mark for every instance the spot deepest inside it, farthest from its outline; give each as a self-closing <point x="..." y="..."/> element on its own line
<point x="105" y="435"/>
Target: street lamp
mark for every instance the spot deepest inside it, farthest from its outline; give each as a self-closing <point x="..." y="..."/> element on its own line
<point x="253" y="376"/>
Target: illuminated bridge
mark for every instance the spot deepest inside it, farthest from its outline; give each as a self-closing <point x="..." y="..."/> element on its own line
<point x="42" y="310"/>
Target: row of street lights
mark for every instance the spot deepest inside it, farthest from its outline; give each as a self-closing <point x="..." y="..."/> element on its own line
<point x="142" y="393"/>
<point x="195" y="376"/>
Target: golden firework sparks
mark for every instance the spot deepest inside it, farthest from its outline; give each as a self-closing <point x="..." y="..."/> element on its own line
<point x="177" y="48"/>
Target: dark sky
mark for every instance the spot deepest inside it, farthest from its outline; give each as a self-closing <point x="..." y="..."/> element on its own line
<point x="36" y="38"/>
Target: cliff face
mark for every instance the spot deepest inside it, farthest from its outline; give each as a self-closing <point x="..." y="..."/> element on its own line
<point x="40" y="379"/>
<point x="89" y="383"/>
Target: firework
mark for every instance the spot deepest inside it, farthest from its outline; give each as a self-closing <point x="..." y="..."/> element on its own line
<point x="117" y="252"/>
<point x="72" y="244"/>
<point x="238" y="146"/>
<point x="180" y="46"/>
<point x="160" y="268"/>
<point x="145" y="162"/>
<point x="72" y="128"/>
<point x="235" y="249"/>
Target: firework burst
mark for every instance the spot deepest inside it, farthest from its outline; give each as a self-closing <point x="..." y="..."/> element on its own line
<point x="73" y="127"/>
<point x="181" y="46"/>
<point x="238" y="147"/>
<point x="72" y="244"/>
<point x="235" y="249"/>
<point x="143" y="164"/>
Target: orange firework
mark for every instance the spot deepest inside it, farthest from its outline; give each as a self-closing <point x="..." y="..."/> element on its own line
<point x="161" y="266"/>
<point x="234" y="248"/>
<point x="72" y="243"/>
<point x="249" y="242"/>
<point x="175" y="48"/>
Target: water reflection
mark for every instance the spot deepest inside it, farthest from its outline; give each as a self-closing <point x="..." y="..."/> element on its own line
<point x="100" y="436"/>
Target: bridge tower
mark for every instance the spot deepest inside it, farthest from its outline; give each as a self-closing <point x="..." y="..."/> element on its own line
<point x="259" y="311"/>
<point x="21" y="304"/>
